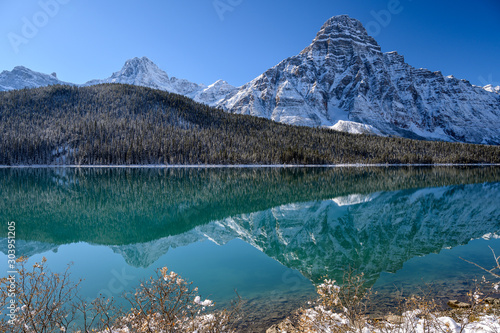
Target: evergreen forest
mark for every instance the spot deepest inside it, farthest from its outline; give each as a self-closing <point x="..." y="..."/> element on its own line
<point x="116" y="124"/>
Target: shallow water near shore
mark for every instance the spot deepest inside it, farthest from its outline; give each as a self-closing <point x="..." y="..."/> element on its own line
<point x="268" y="233"/>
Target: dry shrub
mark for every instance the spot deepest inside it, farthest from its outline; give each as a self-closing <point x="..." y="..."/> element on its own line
<point x="47" y="302"/>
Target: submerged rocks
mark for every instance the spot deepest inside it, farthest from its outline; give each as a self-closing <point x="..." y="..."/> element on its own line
<point x="492" y="301"/>
<point x="458" y="305"/>
<point x="284" y="326"/>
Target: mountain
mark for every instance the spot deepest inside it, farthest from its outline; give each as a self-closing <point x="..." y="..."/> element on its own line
<point x="137" y="71"/>
<point x="144" y="72"/>
<point x="344" y="76"/>
<point x="116" y="124"/>
<point x="21" y="77"/>
<point x="342" y="81"/>
<point x="214" y="93"/>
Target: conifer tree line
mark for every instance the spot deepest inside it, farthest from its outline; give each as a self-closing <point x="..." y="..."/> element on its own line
<point x="122" y="124"/>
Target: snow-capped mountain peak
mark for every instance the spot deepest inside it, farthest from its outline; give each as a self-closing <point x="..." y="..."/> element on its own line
<point x="137" y="68"/>
<point x="21" y="77"/>
<point x="144" y="72"/>
<point x="341" y="33"/>
<point x="214" y="93"/>
<point x="342" y="78"/>
<point x="141" y="72"/>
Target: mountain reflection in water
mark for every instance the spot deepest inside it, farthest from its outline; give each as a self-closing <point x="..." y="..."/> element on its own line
<point x="317" y="221"/>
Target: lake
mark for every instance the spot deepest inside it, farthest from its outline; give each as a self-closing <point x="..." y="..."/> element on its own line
<point x="269" y="233"/>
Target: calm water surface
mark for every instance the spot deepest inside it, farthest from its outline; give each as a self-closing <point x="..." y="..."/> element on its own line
<point x="269" y="233"/>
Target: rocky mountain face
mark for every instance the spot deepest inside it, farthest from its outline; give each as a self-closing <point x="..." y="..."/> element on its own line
<point x="344" y="76"/>
<point x="21" y="77"/>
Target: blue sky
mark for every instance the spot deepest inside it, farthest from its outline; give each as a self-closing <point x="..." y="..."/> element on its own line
<point x="237" y="40"/>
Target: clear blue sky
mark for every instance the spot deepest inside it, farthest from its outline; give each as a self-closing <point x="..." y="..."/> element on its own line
<point x="240" y="39"/>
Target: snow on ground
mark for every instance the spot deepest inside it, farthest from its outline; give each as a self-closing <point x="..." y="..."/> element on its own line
<point x="355" y="128"/>
<point x="320" y="320"/>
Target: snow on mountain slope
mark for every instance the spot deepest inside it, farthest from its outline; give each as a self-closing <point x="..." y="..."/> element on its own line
<point x="144" y="72"/>
<point x="21" y="77"/>
<point x="136" y="71"/>
<point x="492" y="89"/>
<point x="344" y="76"/>
<point x="355" y="128"/>
<point x="214" y="93"/>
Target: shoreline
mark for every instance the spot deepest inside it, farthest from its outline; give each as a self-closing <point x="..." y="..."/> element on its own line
<point x="233" y="166"/>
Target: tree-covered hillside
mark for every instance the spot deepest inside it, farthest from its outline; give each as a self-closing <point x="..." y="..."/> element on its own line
<point x="123" y="124"/>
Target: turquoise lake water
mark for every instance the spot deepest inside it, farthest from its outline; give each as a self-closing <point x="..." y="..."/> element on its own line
<point x="269" y="233"/>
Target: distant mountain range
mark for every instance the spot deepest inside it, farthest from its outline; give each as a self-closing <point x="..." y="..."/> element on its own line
<point x="137" y="71"/>
<point x="491" y="88"/>
<point x="342" y="81"/>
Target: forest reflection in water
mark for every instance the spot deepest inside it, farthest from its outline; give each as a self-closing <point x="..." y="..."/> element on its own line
<point x="312" y="221"/>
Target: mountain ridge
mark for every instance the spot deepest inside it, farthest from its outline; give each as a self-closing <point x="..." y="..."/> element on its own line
<point x="136" y="71"/>
<point x="342" y="81"/>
